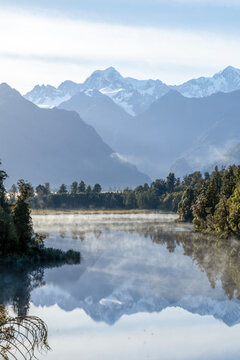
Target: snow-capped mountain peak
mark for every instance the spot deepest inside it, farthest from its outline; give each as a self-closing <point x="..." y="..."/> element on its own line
<point x="229" y="70"/>
<point x="109" y="73"/>
<point x="134" y="95"/>
<point x="226" y="80"/>
<point x="108" y="78"/>
<point x="69" y="87"/>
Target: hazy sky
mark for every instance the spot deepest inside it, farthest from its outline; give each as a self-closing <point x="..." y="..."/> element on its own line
<point x="50" y="41"/>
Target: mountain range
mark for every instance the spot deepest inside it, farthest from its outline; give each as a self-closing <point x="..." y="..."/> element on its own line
<point x="155" y="127"/>
<point x="55" y="145"/>
<point x="133" y="95"/>
<point x="175" y="133"/>
<point x="193" y="131"/>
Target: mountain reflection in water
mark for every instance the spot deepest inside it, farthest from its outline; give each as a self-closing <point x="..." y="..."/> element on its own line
<point x="141" y="263"/>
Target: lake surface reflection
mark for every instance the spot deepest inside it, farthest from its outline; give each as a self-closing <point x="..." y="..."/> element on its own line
<point x="146" y="288"/>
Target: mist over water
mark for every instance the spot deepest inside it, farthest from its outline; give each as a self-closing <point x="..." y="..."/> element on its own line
<point x="57" y="222"/>
<point x="144" y="283"/>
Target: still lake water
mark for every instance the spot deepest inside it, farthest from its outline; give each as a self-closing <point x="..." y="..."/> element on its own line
<point x="146" y="288"/>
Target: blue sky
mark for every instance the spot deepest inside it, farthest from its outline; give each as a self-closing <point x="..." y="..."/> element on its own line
<point x="189" y="14"/>
<point x="175" y="40"/>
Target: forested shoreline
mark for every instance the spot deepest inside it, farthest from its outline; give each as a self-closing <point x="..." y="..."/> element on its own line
<point x="18" y="242"/>
<point x="211" y="201"/>
<point x="160" y="194"/>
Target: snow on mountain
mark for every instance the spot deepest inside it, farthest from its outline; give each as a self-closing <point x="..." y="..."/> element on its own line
<point x="54" y="144"/>
<point x="47" y="96"/>
<point x="225" y="81"/>
<point x="134" y="96"/>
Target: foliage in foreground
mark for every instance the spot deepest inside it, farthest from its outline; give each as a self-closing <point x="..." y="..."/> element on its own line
<point x="22" y="336"/>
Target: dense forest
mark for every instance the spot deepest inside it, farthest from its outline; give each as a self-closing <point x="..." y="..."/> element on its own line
<point x="212" y="203"/>
<point x="18" y="242"/>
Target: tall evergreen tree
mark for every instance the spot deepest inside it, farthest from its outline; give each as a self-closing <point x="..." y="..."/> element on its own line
<point x="185" y="205"/>
<point x="170" y="182"/>
<point x="220" y="219"/>
<point x="74" y="188"/>
<point x="21" y="216"/>
<point x="63" y="189"/>
<point x="234" y="211"/>
<point x="82" y="187"/>
<point x="8" y="237"/>
<point x="97" y="188"/>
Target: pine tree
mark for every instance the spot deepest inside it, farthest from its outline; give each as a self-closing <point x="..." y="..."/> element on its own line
<point x="185" y="205"/>
<point x="199" y="212"/>
<point x="234" y="211"/>
<point x="97" y="188"/>
<point x="220" y="218"/>
<point x="74" y="188"/>
<point x="170" y="182"/>
<point x="82" y="187"/>
<point x="63" y="189"/>
<point x="8" y="237"/>
<point x="22" y="218"/>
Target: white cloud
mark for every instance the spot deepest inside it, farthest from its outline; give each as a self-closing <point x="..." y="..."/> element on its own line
<point x="39" y="49"/>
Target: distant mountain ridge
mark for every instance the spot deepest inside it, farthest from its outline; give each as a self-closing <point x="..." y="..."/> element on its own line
<point x="56" y="145"/>
<point x="175" y="133"/>
<point x="225" y="81"/>
<point x="110" y="121"/>
<point x="196" y="130"/>
<point x="133" y="95"/>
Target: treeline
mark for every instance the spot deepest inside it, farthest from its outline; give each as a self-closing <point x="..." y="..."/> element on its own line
<point x="210" y="201"/>
<point x="213" y="203"/>
<point x="160" y="194"/>
<point x="18" y="242"/>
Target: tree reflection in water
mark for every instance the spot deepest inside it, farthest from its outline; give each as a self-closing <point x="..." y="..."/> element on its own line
<point x="21" y="337"/>
<point x="218" y="258"/>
